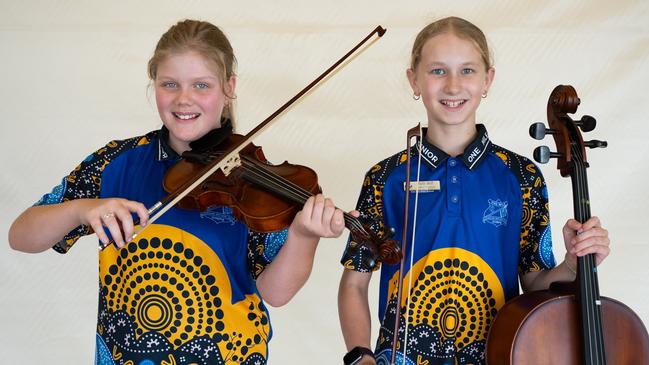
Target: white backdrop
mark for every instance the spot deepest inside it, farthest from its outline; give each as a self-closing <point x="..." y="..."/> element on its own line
<point x="74" y="77"/>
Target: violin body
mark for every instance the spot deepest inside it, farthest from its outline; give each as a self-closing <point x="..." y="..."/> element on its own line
<point x="251" y="203"/>
<point x="543" y="328"/>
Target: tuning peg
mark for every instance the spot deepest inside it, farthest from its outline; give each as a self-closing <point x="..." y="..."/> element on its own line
<point x="538" y="130"/>
<point x="542" y="154"/>
<point x="596" y="144"/>
<point x="586" y="123"/>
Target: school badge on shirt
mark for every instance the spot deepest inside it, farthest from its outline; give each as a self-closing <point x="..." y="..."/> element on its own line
<point x="496" y="213"/>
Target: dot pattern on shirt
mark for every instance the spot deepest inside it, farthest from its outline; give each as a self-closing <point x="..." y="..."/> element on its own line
<point x="454" y="297"/>
<point x="169" y="297"/>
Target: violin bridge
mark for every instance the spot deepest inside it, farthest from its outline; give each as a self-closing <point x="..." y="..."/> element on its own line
<point x="230" y="164"/>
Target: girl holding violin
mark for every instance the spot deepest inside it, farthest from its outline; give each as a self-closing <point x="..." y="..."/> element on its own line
<point x="479" y="227"/>
<point x="191" y="287"/>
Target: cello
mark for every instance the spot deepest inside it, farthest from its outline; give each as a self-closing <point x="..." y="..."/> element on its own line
<point x="570" y="323"/>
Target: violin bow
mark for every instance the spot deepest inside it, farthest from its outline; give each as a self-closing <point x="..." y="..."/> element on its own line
<point x="231" y="159"/>
<point x="414" y="132"/>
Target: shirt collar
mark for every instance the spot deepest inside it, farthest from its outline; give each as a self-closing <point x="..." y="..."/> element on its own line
<point x="473" y="154"/>
<point x="165" y="152"/>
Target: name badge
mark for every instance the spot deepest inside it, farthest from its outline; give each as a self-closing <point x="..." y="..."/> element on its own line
<point x="423" y="186"/>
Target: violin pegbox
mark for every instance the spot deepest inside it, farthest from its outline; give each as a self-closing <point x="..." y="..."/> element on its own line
<point x="566" y="131"/>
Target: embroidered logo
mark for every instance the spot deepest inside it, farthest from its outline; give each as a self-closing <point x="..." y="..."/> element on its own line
<point x="219" y="215"/>
<point x="496" y="213"/>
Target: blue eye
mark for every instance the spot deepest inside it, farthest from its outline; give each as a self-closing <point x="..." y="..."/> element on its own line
<point x="467" y="71"/>
<point x="201" y="85"/>
<point x="438" y="71"/>
<point x="169" y="84"/>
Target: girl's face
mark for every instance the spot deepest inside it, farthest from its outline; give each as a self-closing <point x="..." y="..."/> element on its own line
<point x="451" y="79"/>
<point x="190" y="97"/>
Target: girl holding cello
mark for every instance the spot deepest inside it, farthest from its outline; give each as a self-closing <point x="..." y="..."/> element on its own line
<point x="481" y="223"/>
<point x="189" y="289"/>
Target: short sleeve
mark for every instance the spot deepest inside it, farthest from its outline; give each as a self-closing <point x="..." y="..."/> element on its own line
<point x="84" y="182"/>
<point x="262" y="249"/>
<point x="536" y="238"/>
<point x="370" y="206"/>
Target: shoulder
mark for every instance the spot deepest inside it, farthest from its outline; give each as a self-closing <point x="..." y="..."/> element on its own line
<point x="380" y="171"/>
<point x="524" y="169"/>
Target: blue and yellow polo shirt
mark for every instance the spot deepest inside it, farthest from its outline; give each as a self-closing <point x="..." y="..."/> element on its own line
<point x="184" y="291"/>
<point x="482" y="220"/>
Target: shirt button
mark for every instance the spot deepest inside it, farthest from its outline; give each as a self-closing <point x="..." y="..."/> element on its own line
<point x="454" y="179"/>
<point x="452" y="162"/>
<point x="454" y="199"/>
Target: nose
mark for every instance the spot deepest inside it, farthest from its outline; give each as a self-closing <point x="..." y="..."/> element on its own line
<point x="452" y="84"/>
<point x="184" y="97"/>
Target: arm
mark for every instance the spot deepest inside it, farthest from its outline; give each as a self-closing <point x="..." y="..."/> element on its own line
<point x="40" y="227"/>
<point x="290" y="269"/>
<point x="580" y="239"/>
<point x="354" y="311"/>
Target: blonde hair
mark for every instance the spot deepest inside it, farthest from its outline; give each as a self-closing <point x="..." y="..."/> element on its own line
<point x="204" y="38"/>
<point x="457" y="26"/>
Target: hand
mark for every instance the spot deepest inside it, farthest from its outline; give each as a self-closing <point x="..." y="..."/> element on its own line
<point x="582" y="239"/>
<point x="319" y="218"/>
<point x="115" y="215"/>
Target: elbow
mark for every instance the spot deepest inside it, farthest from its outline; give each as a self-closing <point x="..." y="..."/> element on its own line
<point x="277" y="301"/>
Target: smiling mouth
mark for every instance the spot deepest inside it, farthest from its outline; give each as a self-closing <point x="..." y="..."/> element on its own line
<point x="186" y="116"/>
<point x="452" y="103"/>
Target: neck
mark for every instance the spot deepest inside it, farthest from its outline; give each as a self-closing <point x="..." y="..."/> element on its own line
<point x="452" y="139"/>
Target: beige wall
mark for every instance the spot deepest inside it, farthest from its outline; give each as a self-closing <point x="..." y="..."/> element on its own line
<point x="73" y="77"/>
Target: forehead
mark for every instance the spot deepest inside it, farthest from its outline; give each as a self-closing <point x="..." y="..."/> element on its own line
<point x="450" y="48"/>
<point x="189" y="64"/>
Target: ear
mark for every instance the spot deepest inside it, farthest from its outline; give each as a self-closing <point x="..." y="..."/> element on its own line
<point x="230" y="87"/>
<point x="489" y="78"/>
<point x="412" y="79"/>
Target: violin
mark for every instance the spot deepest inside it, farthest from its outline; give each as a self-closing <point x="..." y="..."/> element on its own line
<point x="265" y="197"/>
<point x="235" y="173"/>
<point x="570" y="323"/>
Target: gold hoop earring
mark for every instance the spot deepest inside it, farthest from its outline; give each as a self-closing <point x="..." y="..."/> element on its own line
<point x="484" y="95"/>
<point x="416" y="97"/>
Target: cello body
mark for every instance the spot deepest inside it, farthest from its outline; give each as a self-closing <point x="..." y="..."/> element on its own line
<point x="543" y="328"/>
<point x="570" y="323"/>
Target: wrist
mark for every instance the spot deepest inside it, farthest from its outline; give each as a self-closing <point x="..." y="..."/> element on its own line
<point x="355" y="355"/>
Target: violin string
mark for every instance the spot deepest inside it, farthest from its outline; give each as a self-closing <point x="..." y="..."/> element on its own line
<point x="295" y="191"/>
<point x="302" y="194"/>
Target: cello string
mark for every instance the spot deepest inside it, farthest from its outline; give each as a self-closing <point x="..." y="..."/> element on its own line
<point x="595" y="330"/>
<point x="584" y="273"/>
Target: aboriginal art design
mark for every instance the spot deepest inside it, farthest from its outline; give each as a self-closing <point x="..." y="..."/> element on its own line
<point x="453" y="298"/>
<point x="166" y="299"/>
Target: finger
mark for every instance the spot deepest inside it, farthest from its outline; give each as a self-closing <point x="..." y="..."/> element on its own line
<point x="591" y="223"/>
<point x="355" y="213"/>
<point x="318" y="208"/>
<point x="99" y="231"/>
<point x="572" y="225"/>
<point x="141" y="211"/>
<point x="338" y="223"/>
<point x="110" y="222"/>
<point x="328" y="213"/>
<point x="125" y="220"/>
<point x="600" y="251"/>
<point x="591" y="242"/>
<point x="591" y="233"/>
<point x="308" y="207"/>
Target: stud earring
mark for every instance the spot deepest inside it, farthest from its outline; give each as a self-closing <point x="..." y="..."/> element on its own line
<point x="416" y="97"/>
<point x="484" y="94"/>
